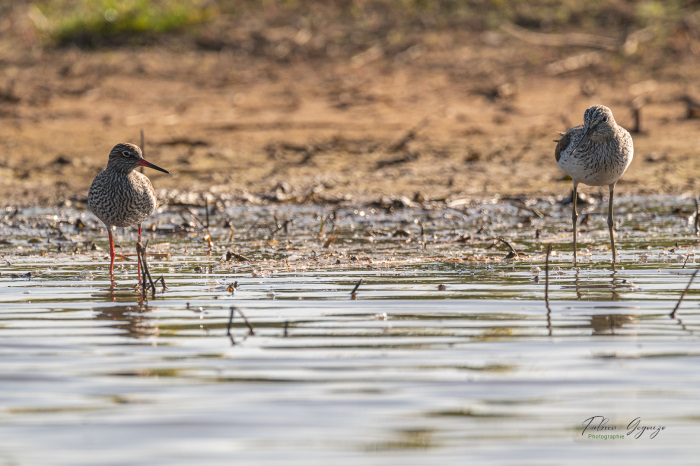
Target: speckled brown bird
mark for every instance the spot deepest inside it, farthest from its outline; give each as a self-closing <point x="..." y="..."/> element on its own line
<point x="596" y="154"/>
<point x="121" y="196"/>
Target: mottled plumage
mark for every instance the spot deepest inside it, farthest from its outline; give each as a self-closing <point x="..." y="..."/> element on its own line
<point x="597" y="154"/>
<point x="120" y="199"/>
<point x="121" y="196"/>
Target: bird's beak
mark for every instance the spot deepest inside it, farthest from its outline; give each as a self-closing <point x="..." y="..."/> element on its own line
<point x="146" y="163"/>
<point x="585" y="136"/>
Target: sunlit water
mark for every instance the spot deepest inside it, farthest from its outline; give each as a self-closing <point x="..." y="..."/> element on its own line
<point x="446" y="352"/>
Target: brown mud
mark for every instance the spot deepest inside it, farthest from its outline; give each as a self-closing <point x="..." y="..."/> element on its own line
<point x="452" y="116"/>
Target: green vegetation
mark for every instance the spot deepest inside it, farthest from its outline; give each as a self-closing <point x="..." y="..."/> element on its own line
<point x="93" y="23"/>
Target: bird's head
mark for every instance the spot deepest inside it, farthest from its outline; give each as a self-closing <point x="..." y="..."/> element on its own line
<point x="125" y="157"/>
<point x="598" y="122"/>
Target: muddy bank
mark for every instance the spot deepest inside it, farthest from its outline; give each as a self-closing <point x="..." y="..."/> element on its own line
<point x="451" y="119"/>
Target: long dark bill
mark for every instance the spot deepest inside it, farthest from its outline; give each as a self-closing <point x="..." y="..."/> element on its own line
<point x="585" y="136"/>
<point x="146" y="163"/>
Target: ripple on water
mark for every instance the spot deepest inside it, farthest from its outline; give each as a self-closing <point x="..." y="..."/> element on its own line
<point x="446" y="352"/>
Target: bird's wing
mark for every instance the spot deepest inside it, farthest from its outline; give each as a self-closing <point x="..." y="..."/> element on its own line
<point x="564" y="142"/>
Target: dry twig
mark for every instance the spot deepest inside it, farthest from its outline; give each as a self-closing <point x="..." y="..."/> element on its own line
<point x="353" y="294"/>
<point x="251" y="330"/>
<point x="513" y="253"/>
<point x="678" y="304"/>
<point x="330" y="239"/>
<point x="145" y="273"/>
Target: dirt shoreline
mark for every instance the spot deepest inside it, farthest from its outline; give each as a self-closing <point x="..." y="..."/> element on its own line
<point x="468" y="120"/>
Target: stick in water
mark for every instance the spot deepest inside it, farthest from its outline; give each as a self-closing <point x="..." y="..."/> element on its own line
<point x="228" y="328"/>
<point x="353" y="294"/>
<point x="141" y="252"/>
<point x="546" y="289"/>
<point x="678" y="304"/>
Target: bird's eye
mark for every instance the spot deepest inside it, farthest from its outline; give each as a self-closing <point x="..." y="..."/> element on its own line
<point x="126" y="153"/>
<point x="605" y="118"/>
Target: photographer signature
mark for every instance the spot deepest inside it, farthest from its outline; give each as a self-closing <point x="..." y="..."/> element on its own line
<point x="634" y="428"/>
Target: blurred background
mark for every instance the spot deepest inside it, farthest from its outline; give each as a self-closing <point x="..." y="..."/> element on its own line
<point x="354" y="100"/>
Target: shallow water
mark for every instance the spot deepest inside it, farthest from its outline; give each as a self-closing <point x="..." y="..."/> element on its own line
<point x="446" y="353"/>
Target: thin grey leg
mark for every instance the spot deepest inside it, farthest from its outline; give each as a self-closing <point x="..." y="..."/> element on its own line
<point x="610" y="223"/>
<point x="574" y="217"/>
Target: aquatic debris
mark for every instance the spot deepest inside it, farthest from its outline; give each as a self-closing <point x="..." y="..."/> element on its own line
<point x="463" y="238"/>
<point x="234" y="255"/>
<point x="280" y="225"/>
<point x="154" y="255"/>
<point x="206" y="213"/>
<point x="523" y="206"/>
<point x="145" y="273"/>
<point x="251" y="330"/>
<point x="330" y="239"/>
<point x="678" y="304"/>
<point x="391" y="204"/>
<point x="353" y="294"/>
<point x="422" y="235"/>
<point x="401" y="233"/>
<point x="513" y="253"/>
<point x="687" y="256"/>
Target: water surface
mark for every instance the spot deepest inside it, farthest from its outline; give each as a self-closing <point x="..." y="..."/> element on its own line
<point x="446" y="353"/>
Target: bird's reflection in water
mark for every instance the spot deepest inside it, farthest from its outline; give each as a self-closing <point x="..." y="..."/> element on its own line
<point x="602" y="324"/>
<point x="606" y="324"/>
<point x="614" y="286"/>
<point x="130" y="315"/>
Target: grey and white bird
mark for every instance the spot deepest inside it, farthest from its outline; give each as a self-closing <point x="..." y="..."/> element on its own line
<point x="121" y="196"/>
<point x="596" y="154"/>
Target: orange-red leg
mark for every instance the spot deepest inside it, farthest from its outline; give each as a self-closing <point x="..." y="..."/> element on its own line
<point x="138" y="263"/>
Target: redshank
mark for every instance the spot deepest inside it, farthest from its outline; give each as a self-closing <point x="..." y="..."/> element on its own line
<point x="596" y="154"/>
<point x="121" y="196"/>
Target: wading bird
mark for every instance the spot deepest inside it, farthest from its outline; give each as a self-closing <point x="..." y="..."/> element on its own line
<point x="121" y="196"/>
<point x="596" y="154"/>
